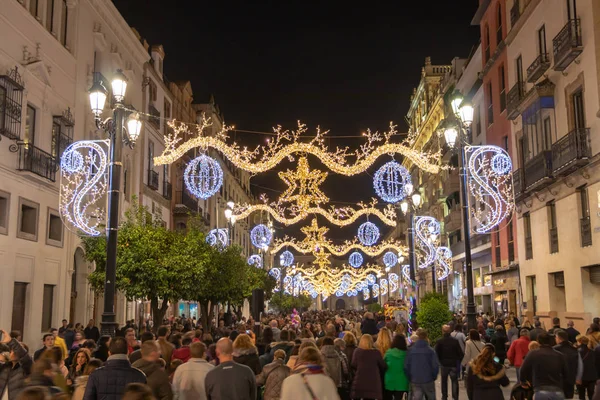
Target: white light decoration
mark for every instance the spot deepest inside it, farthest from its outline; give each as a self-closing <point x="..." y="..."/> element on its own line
<point x="427" y="229"/>
<point x="366" y="293"/>
<point x="355" y="259"/>
<point x="390" y="180"/>
<point x="203" y="176"/>
<point x="261" y="236"/>
<point x="383" y="285"/>
<point x="393" y="282"/>
<point x="368" y="233"/>
<point x="218" y="236"/>
<point x="255" y="260"/>
<point x="286" y="258"/>
<point x="489" y="179"/>
<point x="406" y="273"/>
<point x="83" y="185"/>
<point x="275" y="273"/>
<point x="371" y="279"/>
<point x="375" y="290"/>
<point x="390" y="259"/>
<point x="443" y="262"/>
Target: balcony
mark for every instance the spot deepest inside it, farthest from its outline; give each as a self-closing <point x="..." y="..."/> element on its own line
<point x="585" y="226"/>
<point x="516" y="94"/>
<point x="154" y="118"/>
<point x="538" y="67"/>
<point x="514" y="13"/>
<point x="167" y="190"/>
<point x="37" y="161"/>
<point x="183" y="198"/>
<point x="538" y="171"/>
<point x="528" y="248"/>
<point x="571" y="151"/>
<point x="11" y="104"/>
<point x="518" y="184"/>
<point x="553" y="234"/>
<point x="453" y="220"/>
<point x="567" y="44"/>
<point x="152" y="179"/>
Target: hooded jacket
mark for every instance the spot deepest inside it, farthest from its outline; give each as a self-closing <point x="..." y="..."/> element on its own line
<point x="272" y="377"/>
<point x="333" y="364"/>
<point x="156" y="377"/>
<point x="486" y="386"/>
<point x="248" y="357"/>
<point x="395" y="378"/>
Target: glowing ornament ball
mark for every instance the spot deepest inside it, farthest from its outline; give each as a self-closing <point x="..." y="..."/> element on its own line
<point x="255" y="260"/>
<point x="203" y="176"/>
<point x="368" y="233"/>
<point x="355" y="259"/>
<point x="261" y="236"/>
<point x="390" y="259"/>
<point x="389" y="182"/>
<point x="286" y="258"/>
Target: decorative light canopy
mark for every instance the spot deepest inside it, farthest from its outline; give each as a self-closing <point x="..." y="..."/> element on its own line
<point x="355" y="259"/>
<point x="390" y="180"/>
<point x="286" y="258"/>
<point x="368" y="233"/>
<point x="261" y="236"/>
<point x="203" y="176"/>
<point x="390" y="259"/>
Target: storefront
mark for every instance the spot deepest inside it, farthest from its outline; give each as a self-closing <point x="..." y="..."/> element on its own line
<point x="506" y="289"/>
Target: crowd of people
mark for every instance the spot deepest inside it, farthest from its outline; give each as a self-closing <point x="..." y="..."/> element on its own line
<point x="321" y="355"/>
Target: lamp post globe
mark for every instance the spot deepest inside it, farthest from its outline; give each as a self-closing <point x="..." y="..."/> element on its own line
<point x="416" y="199"/>
<point x="119" y="85"/>
<point x="455" y="102"/>
<point x="466" y="113"/>
<point x="97" y="98"/>
<point x="134" y="127"/>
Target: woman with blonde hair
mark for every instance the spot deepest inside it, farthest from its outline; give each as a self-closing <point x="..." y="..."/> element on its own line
<point x="350" y="340"/>
<point x="81" y="381"/>
<point x="369" y="370"/>
<point x="82" y="357"/>
<point x="485" y="376"/>
<point x="384" y="341"/>
<point x="245" y="352"/>
<point x="310" y="382"/>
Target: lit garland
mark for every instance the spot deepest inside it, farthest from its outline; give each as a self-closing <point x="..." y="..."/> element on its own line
<point x="286" y="259"/>
<point x="327" y="281"/>
<point x="389" y="182"/>
<point x="342" y="216"/>
<point x="355" y="259"/>
<point x="406" y="273"/>
<point x="366" y="293"/>
<point x="368" y="233"/>
<point x="275" y="273"/>
<point x="261" y="236"/>
<point x="203" y="176"/>
<point x="220" y="236"/>
<point x="286" y="143"/>
<point x="375" y="290"/>
<point x="83" y="184"/>
<point x="390" y="259"/>
<point x="489" y="177"/>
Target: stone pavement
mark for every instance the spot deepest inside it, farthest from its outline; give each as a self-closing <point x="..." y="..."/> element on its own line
<point x="462" y="394"/>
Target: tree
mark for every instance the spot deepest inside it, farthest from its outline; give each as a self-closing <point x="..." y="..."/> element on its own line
<point x="284" y="302"/>
<point x="433" y="313"/>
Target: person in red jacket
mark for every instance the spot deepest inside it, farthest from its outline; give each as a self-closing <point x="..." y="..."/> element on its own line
<point x="518" y="350"/>
<point x="183" y="353"/>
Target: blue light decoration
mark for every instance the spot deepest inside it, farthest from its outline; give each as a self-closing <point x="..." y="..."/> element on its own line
<point x="371" y="279"/>
<point x="83" y="186"/>
<point x="368" y="233"/>
<point x="203" y="176"/>
<point x="443" y="262"/>
<point x="261" y="236"/>
<point x="393" y="277"/>
<point x="366" y="293"/>
<point x="255" y="260"/>
<point x="375" y="290"/>
<point x="390" y="259"/>
<point x="383" y="285"/>
<point x="389" y="182"/>
<point x="218" y="236"/>
<point x="275" y="273"/>
<point x="406" y="273"/>
<point x="286" y="258"/>
<point x="355" y="259"/>
<point x="490" y="183"/>
<point x="426" y="229"/>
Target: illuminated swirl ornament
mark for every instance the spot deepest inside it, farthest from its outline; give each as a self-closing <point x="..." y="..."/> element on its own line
<point x="406" y="273"/>
<point x="368" y="233"/>
<point x="255" y="260"/>
<point x="286" y="259"/>
<point x="375" y="290"/>
<point x="427" y="230"/>
<point x="366" y="293"/>
<point x="371" y="279"/>
<point x="355" y="259"/>
<point x="261" y="236"/>
<point x="218" y="236"/>
<point x="203" y="176"/>
<point x="489" y="179"/>
<point x="390" y="259"/>
<point x="83" y="184"/>
<point x="383" y="286"/>
<point x="393" y="282"/>
<point x="444" y="259"/>
<point x="275" y="273"/>
<point x="389" y="181"/>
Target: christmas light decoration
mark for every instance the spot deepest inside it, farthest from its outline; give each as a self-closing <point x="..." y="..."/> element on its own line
<point x="366" y="293"/>
<point x="393" y="282"/>
<point x="389" y="181"/>
<point x="218" y="236"/>
<point x="427" y="230"/>
<point x="368" y="233"/>
<point x="375" y="290"/>
<point x="275" y="273"/>
<point x="443" y="262"/>
<point x="203" y="176"/>
<point x="83" y="184"/>
<point x="383" y="285"/>
<point x="406" y="273"/>
<point x="255" y="260"/>
<point x="355" y="259"/>
<point x="390" y="259"/>
<point x="287" y="142"/>
<point x="261" y="236"/>
<point x="489" y="179"/>
<point x="303" y="186"/>
<point x="286" y="259"/>
<point x="371" y="279"/>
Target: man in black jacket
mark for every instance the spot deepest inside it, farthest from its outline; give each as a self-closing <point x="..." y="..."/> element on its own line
<point x="545" y="369"/>
<point x="14" y="373"/>
<point x="109" y="381"/>
<point x="572" y="359"/>
<point x="450" y="355"/>
<point x="533" y="334"/>
<point x="48" y="340"/>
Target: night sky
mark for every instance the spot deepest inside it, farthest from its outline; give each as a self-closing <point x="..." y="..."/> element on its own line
<point x="343" y="67"/>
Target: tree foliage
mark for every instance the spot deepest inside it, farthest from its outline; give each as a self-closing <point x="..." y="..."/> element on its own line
<point x="284" y="302"/>
<point x="433" y="313"/>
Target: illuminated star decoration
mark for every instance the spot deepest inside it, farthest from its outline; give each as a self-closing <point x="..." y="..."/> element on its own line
<point x="489" y="177"/>
<point x="203" y="176"/>
<point x="83" y="185"/>
<point x="303" y="186"/>
<point x="261" y="236"/>
<point x="368" y="233"/>
<point x="389" y="182"/>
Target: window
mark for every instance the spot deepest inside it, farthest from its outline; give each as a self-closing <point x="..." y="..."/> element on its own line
<point x="499" y="25"/>
<point x="30" y="125"/>
<point x="64" y="19"/>
<point x="578" y="110"/>
<point x="477" y="118"/>
<point x="498" y="256"/>
<point x="28" y="219"/>
<point x="552" y="228"/>
<point x="502" y="81"/>
<point x="4" y="211"/>
<point x="584" y="222"/>
<point x="505" y="142"/>
<point x="47" y="307"/>
<point x="490" y="105"/>
<point x="55" y="139"/>
<point x="50" y="15"/>
<point x="511" y="242"/>
<point x="153" y="91"/>
<point x="166" y="115"/>
<point x="33" y="7"/>
<point x="55" y="229"/>
<point x="125" y="191"/>
<point x="150" y="155"/>
<point x="18" y="307"/>
<point x="528" y="239"/>
<point x="547" y="141"/>
<point x="542" y="40"/>
<point x="571" y="9"/>
<point x="487" y="43"/>
<point x="519" y="65"/>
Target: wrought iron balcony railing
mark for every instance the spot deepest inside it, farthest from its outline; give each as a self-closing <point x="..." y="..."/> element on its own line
<point x="538" y="171"/>
<point x="152" y="179"/>
<point x="516" y="94"/>
<point x="518" y="184"/>
<point x="167" y="190"/>
<point x="538" y="67"/>
<point x="585" y="227"/>
<point x="154" y="118"/>
<point x="187" y="200"/>
<point x="567" y="44"/>
<point x="36" y="160"/>
<point x="553" y="234"/>
<point x="571" y="151"/>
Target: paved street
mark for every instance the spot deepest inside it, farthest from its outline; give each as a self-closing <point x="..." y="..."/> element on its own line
<point x="463" y="391"/>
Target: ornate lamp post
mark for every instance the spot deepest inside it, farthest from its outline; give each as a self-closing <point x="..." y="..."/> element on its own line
<point x="230" y="220"/>
<point x="456" y="136"/>
<point x="408" y="207"/>
<point x="113" y="126"/>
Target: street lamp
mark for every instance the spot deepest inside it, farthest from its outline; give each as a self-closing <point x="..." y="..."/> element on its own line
<point x="114" y="127"/>
<point x="456" y="136"/>
<point x="411" y="204"/>
<point x="230" y="220"/>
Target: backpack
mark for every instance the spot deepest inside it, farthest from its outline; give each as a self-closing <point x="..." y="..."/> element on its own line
<point x="518" y="392"/>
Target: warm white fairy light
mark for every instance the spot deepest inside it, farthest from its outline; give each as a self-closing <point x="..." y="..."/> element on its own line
<point x="383" y="286"/>
<point x="83" y="185"/>
<point x="286" y="258"/>
<point x="393" y="278"/>
<point x="390" y="259"/>
<point x="443" y="262"/>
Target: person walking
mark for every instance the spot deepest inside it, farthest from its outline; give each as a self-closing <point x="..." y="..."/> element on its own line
<point x="518" y="350"/>
<point x="572" y="360"/>
<point x="273" y="375"/>
<point x="188" y="381"/>
<point x="246" y="353"/>
<point x="156" y="377"/>
<point x="473" y="347"/>
<point x="369" y="369"/>
<point x="16" y="370"/>
<point x="421" y="368"/>
<point x="312" y="382"/>
<point x="485" y="376"/>
<point x="499" y="340"/>
<point x="332" y="361"/>
<point x="396" y="382"/>
<point x="587" y="381"/>
<point x="572" y="332"/>
<point x="229" y="380"/>
<point x="450" y="356"/>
